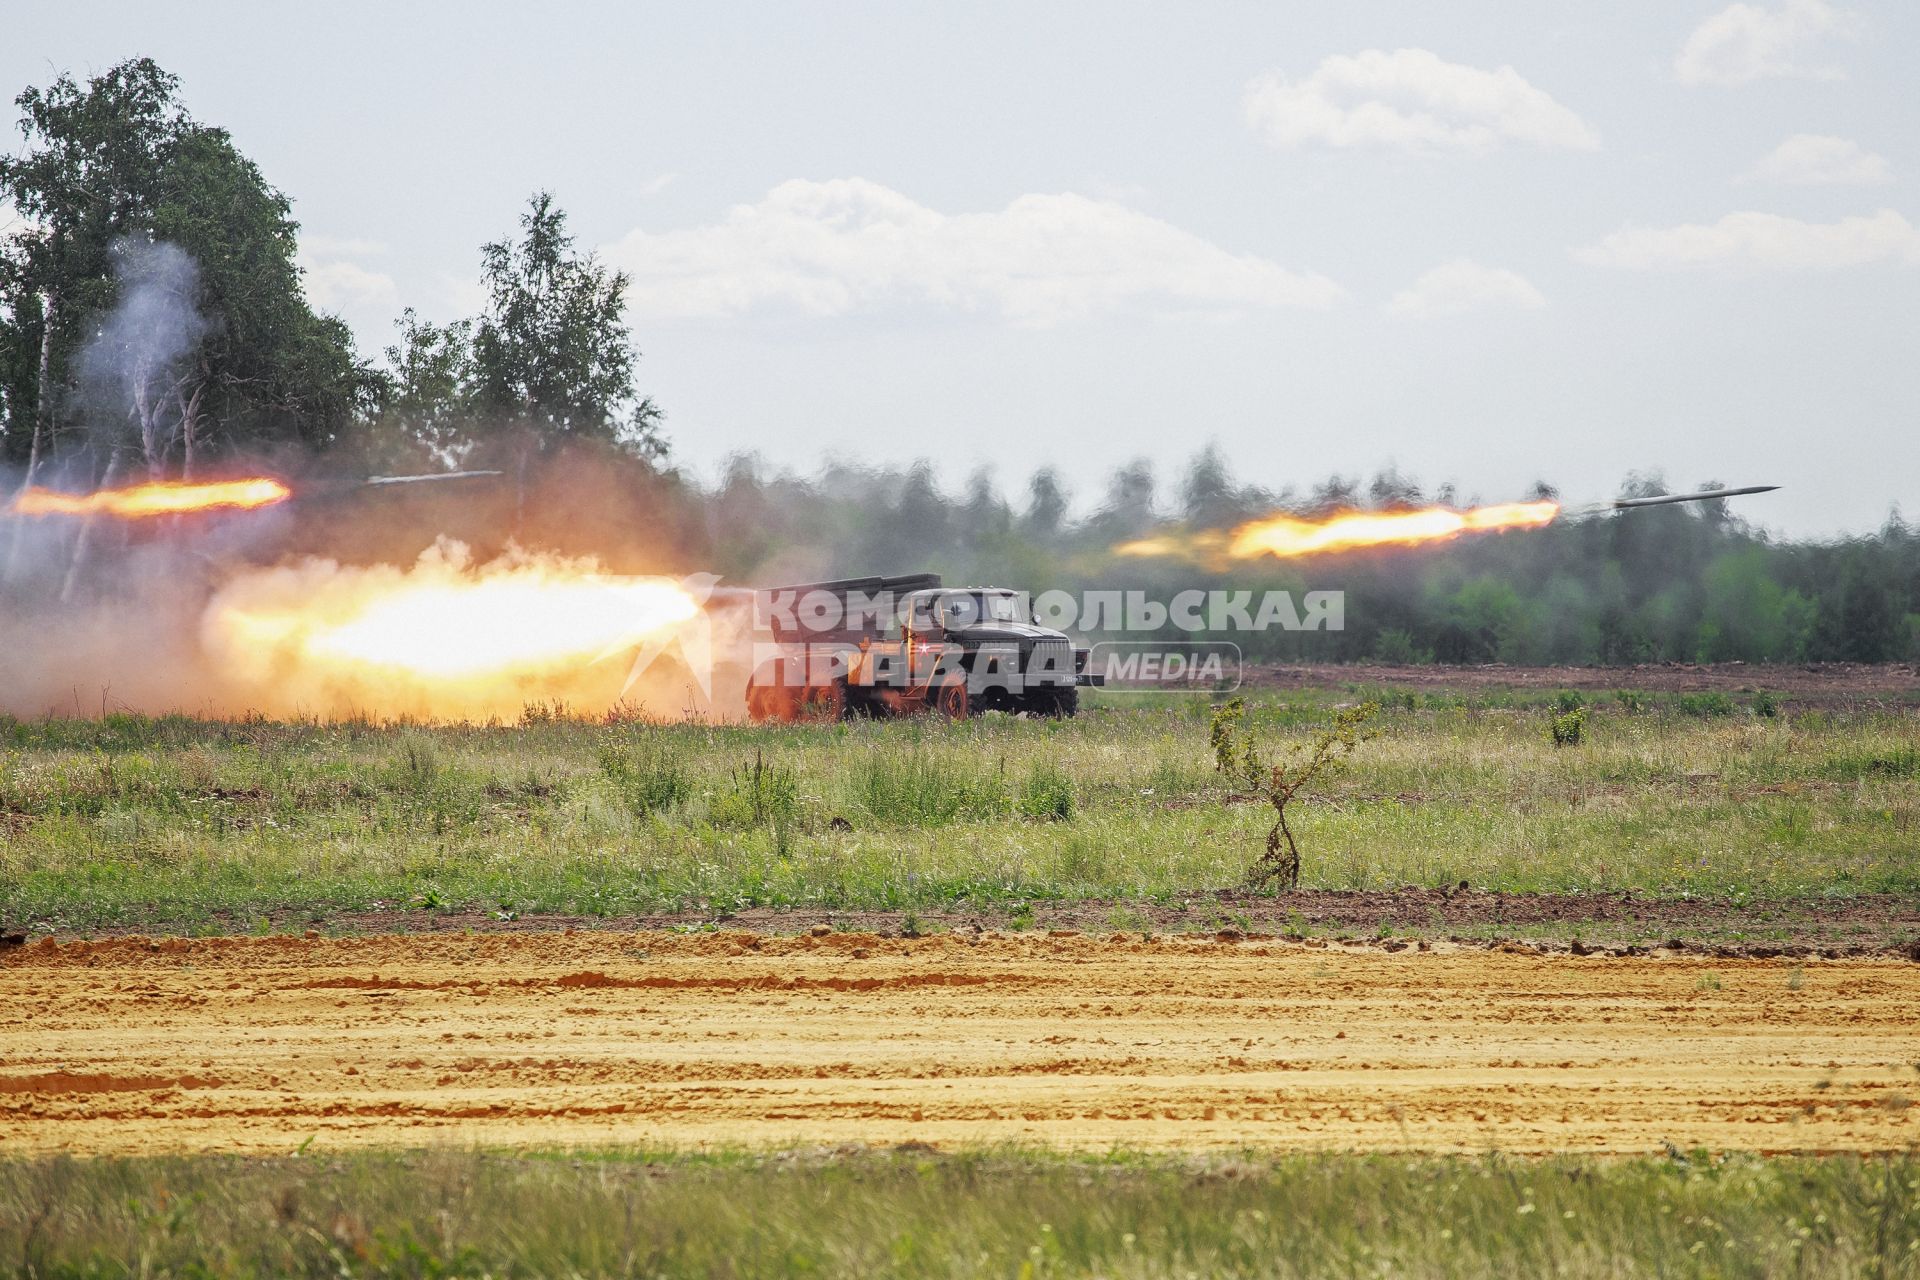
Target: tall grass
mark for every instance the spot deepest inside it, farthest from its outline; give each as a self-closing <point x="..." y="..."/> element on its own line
<point x="193" y="823"/>
<point x="914" y="1214"/>
<point x="919" y="787"/>
<point x="649" y="776"/>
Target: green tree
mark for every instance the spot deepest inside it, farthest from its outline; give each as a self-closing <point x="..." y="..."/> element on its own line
<point x="1749" y="616"/>
<point x="1869" y="624"/>
<point x="269" y="371"/>
<point x="87" y="177"/>
<point x="985" y="514"/>
<point x="1485" y="622"/>
<point x="1207" y="495"/>
<point x="1046" y="505"/>
<point x="128" y="202"/>
<point x="425" y="417"/>
<point x="1128" y="510"/>
<point x="552" y="357"/>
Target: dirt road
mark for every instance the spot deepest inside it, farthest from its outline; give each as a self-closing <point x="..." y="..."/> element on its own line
<point x="681" y="1041"/>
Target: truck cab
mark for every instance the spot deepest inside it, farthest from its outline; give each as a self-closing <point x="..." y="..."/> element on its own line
<point x="896" y="646"/>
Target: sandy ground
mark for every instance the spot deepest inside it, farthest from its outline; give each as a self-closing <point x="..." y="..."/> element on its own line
<point x="1070" y="1041"/>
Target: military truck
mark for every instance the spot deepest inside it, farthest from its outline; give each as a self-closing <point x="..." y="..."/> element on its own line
<point x="888" y="646"/>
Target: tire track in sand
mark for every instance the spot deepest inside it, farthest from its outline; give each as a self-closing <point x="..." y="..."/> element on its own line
<point x="680" y="1041"/>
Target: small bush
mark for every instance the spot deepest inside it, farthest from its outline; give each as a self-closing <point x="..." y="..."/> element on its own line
<point x="1223" y="735"/>
<point x="1395" y="646"/>
<point x="1046" y="794"/>
<point x="1631" y="701"/>
<point x="1280" y="780"/>
<point x="648" y="775"/>
<point x="419" y="762"/>
<point x="1569" y="727"/>
<point x="1766" y="705"/>
<point x="1705" y="705"/>
<point x="758" y="795"/>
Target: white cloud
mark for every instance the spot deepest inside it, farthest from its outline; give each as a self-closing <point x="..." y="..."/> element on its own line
<point x="1745" y="42"/>
<point x="1454" y="288"/>
<point x="849" y="245"/>
<point x="319" y="246"/>
<point x="1761" y="242"/>
<point x="660" y="182"/>
<point x="1409" y="98"/>
<point x="334" y="282"/>
<point x="1816" y="160"/>
<point x="463" y="295"/>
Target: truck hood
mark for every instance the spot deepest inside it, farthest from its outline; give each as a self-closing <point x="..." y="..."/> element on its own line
<point x="1024" y="633"/>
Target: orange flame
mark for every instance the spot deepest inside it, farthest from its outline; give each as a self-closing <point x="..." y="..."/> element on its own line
<point x="1289" y="537"/>
<point x="164" y="498"/>
<point x="443" y="639"/>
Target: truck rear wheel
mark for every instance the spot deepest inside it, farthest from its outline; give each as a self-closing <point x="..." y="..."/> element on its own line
<point x="951" y="700"/>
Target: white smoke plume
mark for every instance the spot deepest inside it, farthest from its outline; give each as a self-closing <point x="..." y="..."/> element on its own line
<point x="137" y="367"/>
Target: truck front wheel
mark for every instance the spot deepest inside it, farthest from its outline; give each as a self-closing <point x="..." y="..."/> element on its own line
<point x="1054" y="703"/>
<point x="826" y="701"/>
<point x="769" y="702"/>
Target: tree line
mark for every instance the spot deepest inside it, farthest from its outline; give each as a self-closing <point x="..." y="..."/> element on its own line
<point x="153" y="323"/>
<point x="1662" y="584"/>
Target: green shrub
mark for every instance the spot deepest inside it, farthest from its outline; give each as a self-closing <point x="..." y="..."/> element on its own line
<point x="1569" y="727"/>
<point x="1705" y="705"/>
<point x="648" y="775"/>
<point x="419" y="761"/>
<point x="757" y="795"/>
<point x="1766" y="704"/>
<point x="1222" y="734"/>
<point x="1046" y="794"/>
<point x="1395" y="646"/>
<point x="1567" y="701"/>
<point x="545" y="713"/>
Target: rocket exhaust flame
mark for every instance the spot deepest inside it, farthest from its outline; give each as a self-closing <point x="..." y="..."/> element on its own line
<point x="165" y="498"/>
<point x="1290" y="537"/>
<point x="443" y="639"/>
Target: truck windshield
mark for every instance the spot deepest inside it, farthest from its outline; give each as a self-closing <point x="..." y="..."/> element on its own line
<point x="1006" y="606"/>
<point x="993" y="606"/>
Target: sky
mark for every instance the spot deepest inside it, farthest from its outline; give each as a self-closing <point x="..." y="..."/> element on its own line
<point x="1483" y="243"/>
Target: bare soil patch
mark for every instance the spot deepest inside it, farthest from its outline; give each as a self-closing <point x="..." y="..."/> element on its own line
<point x="1618" y="921"/>
<point x="1053" y="1039"/>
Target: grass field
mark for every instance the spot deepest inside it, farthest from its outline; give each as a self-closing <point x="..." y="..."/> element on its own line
<point x="186" y="824"/>
<point x="989" y="1214"/>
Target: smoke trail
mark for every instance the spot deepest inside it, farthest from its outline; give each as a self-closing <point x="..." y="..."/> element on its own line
<point x="136" y="366"/>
